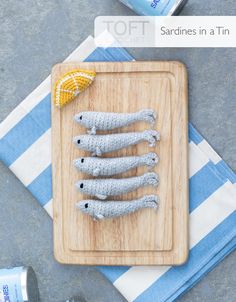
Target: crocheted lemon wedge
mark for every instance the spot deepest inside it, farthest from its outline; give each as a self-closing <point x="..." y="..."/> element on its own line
<point x="71" y="84"/>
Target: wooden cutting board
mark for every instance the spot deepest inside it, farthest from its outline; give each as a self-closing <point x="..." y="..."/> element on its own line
<point x="145" y="237"/>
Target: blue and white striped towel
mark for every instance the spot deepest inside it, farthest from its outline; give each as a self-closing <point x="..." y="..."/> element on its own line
<point x="212" y="189"/>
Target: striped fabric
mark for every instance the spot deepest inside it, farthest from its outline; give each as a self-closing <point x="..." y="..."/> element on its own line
<point x="212" y="189"/>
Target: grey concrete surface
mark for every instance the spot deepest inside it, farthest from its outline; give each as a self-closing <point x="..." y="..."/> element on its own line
<point x="34" y="35"/>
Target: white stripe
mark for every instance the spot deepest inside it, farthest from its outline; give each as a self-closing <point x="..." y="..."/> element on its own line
<point x="49" y="208"/>
<point x="104" y="40"/>
<point x="34" y="98"/>
<point x="202" y="221"/>
<point x="25" y="107"/>
<point x="208" y="150"/>
<point x="34" y="160"/>
<point x="212" y="212"/>
<point x="137" y="279"/>
<point x="197" y="159"/>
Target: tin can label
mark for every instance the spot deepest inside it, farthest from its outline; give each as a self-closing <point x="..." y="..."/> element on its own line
<point x="151" y="7"/>
<point x="10" y="285"/>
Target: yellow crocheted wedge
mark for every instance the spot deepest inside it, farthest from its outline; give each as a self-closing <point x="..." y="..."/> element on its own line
<point x="71" y="84"/>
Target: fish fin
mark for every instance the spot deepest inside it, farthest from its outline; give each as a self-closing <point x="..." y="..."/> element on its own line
<point x="99" y="216"/>
<point x="152" y="144"/>
<point x="96" y="172"/>
<point x="100" y="196"/>
<point x="98" y="151"/>
<point x="92" y="131"/>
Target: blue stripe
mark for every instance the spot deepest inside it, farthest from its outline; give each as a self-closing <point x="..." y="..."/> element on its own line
<point x="202" y="185"/>
<point x="200" y="255"/>
<point x="41" y="187"/>
<point x="224" y="169"/>
<point x="26" y="132"/>
<point x="99" y="55"/>
<point x="119" y="54"/>
<point x="227" y="249"/>
<point x="113" y="272"/>
<point x="194" y="135"/>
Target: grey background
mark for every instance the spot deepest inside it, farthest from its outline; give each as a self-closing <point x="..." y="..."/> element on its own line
<point x="34" y="35"/>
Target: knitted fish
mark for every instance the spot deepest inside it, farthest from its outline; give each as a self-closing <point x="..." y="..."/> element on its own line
<point x="110" y="166"/>
<point x="110" y="209"/>
<point x="109" y="120"/>
<point x="99" y="144"/>
<point x="104" y="187"/>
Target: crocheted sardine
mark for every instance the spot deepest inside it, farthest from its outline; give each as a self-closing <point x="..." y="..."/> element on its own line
<point x="110" y="209"/>
<point x="104" y="187"/>
<point x="110" y="166"/>
<point x="99" y="144"/>
<point x="109" y="120"/>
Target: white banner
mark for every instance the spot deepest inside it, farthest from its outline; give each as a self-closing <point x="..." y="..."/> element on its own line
<point x="190" y="31"/>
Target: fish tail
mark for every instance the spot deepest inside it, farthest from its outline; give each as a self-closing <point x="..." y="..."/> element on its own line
<point x="150" y="179"/>
<point x="150" y="159"/>
<point x="147" y="115"/>
<point x="151" y="136"/>
<point x="151" y="201"/>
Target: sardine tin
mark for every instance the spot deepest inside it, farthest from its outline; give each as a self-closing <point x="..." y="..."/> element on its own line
<point x="155" y="7"/>
<point x="18" y="284"/>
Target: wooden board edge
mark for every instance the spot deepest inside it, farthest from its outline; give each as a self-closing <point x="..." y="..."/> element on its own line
<point x="56" y="177"/>
<point x="184" y="92"/>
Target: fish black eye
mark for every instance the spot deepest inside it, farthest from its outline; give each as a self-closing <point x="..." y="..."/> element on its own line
<point x="81" y="186"/>
<point x="80" y="117"/>
<point x="78" y="141"/>
<point x="82" y="160"/>
<point x="153" y="159"/>
<point x="86" y="205"/>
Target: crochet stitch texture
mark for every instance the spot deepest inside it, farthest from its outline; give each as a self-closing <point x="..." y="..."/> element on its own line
<point x="104" y="187"/>
<point x="110" y="209"/>
<point x="71" y="84"/>
<point x="96" y="166"/>
<point x="99" y="144"/>
<point x="111" y="120"/>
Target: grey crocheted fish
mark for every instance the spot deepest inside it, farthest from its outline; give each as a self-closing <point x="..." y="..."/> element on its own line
<point x="99" y="144"/>
<point x="109" y="120"/>
<point x="110" y="166"/>
<point x="104" y="187"/>
<point x="110" y="209"/>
